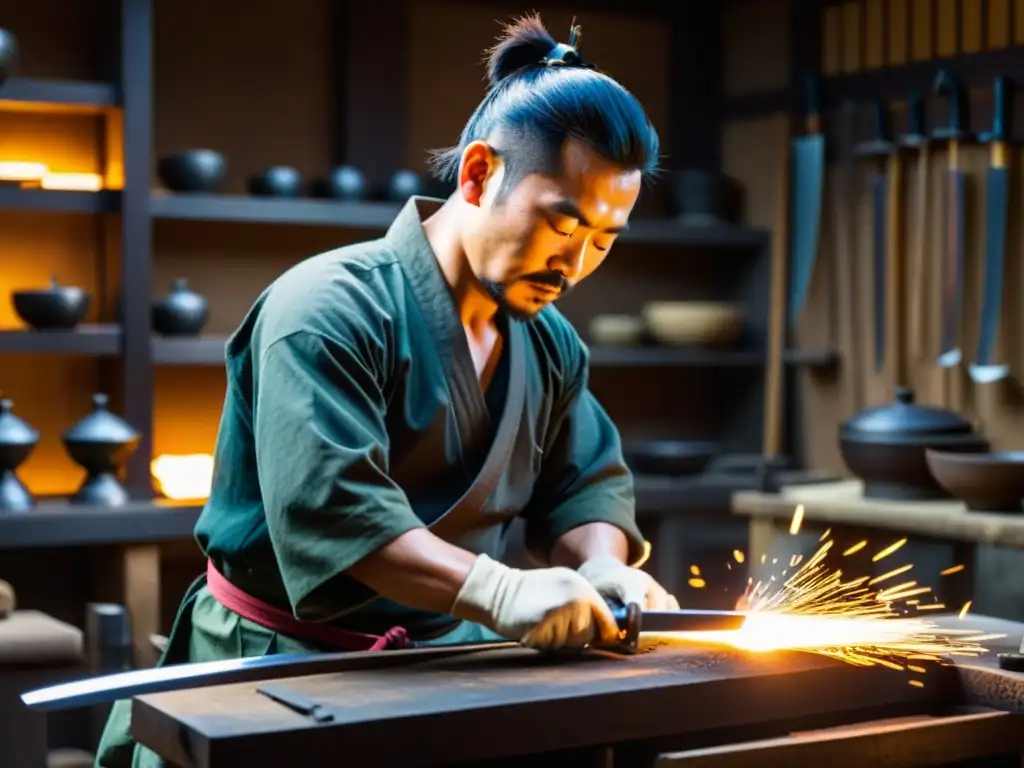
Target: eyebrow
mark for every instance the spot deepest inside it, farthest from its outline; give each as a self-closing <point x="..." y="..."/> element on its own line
<point x="571" y="209"/>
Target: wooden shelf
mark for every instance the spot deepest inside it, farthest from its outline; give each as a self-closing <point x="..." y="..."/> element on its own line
<point x="58" y="201"/>
<point x="86" y="340"/>
<point x="378" y="216"/>
<point x="671" y="232"/>
<point x="264" y="210"/>
<point x="62" y="96"/>
<point x="204" y="350"/>
<point x="672" y="357"/>
<point x="57" y="523"/>
<point x="209" y="350"/>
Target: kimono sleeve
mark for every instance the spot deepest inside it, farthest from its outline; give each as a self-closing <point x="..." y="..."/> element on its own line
<point x="322" y="456"/>
<point x="583" y="478"/>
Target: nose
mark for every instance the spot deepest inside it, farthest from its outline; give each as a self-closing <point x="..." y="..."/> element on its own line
<point x="569" y="263"/>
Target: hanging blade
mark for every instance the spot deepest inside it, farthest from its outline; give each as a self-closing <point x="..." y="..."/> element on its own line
<point x="953" y="134"/>
<point x="997" y="193"/>
<point x="807" y="157"/>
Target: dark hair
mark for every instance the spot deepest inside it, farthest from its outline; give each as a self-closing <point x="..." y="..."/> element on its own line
<point x="541" y="106"/>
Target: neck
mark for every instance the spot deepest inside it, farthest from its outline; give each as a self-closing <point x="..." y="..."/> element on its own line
<point x="476" y="309"/>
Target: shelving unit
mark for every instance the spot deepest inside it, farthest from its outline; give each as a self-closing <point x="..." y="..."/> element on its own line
<point x="58" y="201"/>
<point x="128" y="103"/>
<point x="67" y="96"/>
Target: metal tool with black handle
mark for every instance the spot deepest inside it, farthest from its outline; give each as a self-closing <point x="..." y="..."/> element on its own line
<point x="953" y="134"/>
<point x="985" y="369"/>
<point x="632" y="620"/>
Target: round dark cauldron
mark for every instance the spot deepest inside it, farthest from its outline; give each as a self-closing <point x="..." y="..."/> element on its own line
<point x="101" y="443"/>
<point x="8" y="54"/>
<point x="886" y="447"/>
<point x="57" y="308"/>
<point x="279" y="181"/>
<point x="669" y="457"/>
<point x="193" y="170"/>
<point x="181" y="313"/>
<point x="342" y="183"/>
<point x="17" y="440"/>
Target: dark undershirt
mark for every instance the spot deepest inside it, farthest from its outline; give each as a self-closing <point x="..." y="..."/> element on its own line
<point x="382" y="614"/>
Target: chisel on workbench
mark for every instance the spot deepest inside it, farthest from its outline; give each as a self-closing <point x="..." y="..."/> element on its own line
<point x="632" y="620"/>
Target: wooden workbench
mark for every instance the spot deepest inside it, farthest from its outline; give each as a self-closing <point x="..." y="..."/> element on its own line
<point x="841" y="508"/>
<point x="508" y="702"/>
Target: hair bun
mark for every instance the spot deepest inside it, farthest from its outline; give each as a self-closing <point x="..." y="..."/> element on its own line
<point x="523" y="45"/>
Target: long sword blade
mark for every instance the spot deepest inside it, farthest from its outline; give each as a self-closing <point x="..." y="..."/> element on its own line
<point x="984" y="369"/>
<point x="953" y="272"/>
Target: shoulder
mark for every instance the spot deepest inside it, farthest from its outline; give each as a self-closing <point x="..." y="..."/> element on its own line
<point x="346" y="295"/>
<point x="559" y="347"/>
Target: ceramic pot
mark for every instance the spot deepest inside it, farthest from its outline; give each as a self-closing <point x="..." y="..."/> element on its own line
<point x="17" y="440"/>
<point x="8" y="54"/>
<point x="403" y="185"/>
<point x="57" y="308"/>
<point x="670" y="458"/>
<point x="181" y="313"/>
<point x="193" y="170"/>
<point x="279" y="181"/>
<point x="101" y="443"/>
<point x="984" y="482"/>
<point x="342" y="183"/>
<point x="886" y="447"/>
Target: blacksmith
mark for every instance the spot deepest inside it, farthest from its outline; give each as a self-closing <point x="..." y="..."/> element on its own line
<point x="394" y="405"/>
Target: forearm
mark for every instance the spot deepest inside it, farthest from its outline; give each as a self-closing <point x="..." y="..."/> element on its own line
<point x="579" y="544"/>
<point x="417" y="569"/>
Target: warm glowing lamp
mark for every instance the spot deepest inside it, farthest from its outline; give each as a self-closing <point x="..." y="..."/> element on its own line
<point x="19" y="170"/>
<point x="187" y="477"/>
<point x="75" y="182"/>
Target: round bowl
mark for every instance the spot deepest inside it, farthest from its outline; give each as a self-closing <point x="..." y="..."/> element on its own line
<point x="279" y="181"/>
<point x="617" y="330"/>
<point x="58" y="309"/>
<point x="193" y="170"/>
<point x="694" y="323"/>
<point x="984" y="482"/>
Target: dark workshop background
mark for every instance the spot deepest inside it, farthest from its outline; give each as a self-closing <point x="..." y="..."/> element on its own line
<point x="267" y="87"/>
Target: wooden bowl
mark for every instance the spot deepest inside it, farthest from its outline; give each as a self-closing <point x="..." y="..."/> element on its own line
<point x="985" y="482"/>
<point x="617" y="330"/>
<point x="694" y="323"/>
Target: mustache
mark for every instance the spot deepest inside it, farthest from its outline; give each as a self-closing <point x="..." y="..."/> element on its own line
<point x="547" y="279"/>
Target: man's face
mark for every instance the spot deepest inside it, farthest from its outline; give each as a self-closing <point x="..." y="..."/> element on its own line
<point x="549" y="232"/>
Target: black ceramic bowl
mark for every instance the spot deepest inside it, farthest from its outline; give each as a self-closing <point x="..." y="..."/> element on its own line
<point x="58" y="308"/>
<point x="669" y="457"/>
<point x="193" y="170"/>
<point x="279" y="181"/>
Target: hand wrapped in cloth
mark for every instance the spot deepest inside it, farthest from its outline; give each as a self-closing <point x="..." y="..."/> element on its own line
<point x="547" y="608"/>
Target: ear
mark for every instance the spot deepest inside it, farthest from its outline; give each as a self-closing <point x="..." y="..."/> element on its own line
<point x="480" y="164"/>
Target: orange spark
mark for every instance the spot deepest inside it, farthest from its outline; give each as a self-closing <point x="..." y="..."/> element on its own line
<point x="797" y="521"/>
<point x="888" y="550"/>
<point x="855" y="548"/>
<point x="697" y="583"/>
<point x="738" y="556"/>
<point x="951" y="570"/>
<point x="890" y="574"/>
<point x="965" y="609"/>
<point x="695" y="570"/>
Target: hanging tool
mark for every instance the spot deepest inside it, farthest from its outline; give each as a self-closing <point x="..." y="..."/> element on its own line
<point x="846" y="248"/>
<point x="952" y="267"/>
<point x="916" y="139"/>
<point x="807" y="169"/>
<point x="997" y="193"/>
<point x="882" y="150"/>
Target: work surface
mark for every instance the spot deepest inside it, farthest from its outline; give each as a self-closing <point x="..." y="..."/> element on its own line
<point x="842" y="504"/>
<point x="515" y="701"/>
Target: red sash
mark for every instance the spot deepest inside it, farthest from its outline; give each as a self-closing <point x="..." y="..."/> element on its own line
<point x="258" y="612"/>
